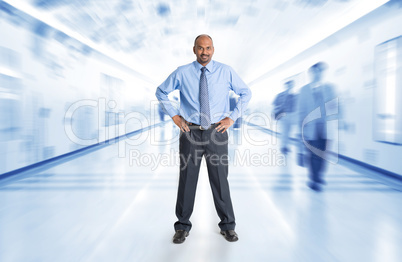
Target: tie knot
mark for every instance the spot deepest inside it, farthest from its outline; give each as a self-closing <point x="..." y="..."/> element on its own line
<point x="203" y="69"/>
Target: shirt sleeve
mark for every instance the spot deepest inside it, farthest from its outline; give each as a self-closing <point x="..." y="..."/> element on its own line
<point x="244" y="93"/>
<point x="162" y="92"/>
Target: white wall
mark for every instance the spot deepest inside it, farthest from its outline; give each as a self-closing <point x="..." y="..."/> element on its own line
<point x="55" y="75"/>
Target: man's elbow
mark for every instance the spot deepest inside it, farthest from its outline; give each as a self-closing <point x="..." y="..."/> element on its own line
<point x="248" y="94"/>
<point x="159" y="94"/>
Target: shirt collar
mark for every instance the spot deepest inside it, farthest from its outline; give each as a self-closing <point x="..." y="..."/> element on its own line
<point x="209" y="66"/>
<point x="316" y="85"/>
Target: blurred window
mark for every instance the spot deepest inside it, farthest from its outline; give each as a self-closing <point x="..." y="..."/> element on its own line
<point x="387" y="110"/>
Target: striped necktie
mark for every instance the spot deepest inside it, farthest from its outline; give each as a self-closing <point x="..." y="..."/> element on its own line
<point x="204" y="101"/>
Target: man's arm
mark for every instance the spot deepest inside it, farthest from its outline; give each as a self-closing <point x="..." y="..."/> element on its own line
<point x="162" y="92"/>
<point x="242" y="90"/>
<point x="275" y="102"/>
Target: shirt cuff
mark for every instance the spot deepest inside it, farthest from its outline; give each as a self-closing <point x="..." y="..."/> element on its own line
<point x="172" y="112"/>
<point x="234" y="116"/>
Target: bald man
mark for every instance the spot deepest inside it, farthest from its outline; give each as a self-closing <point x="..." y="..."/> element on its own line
<point x="203" y="118"/>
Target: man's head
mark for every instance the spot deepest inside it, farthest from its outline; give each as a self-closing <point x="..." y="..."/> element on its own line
<point x="289" y="84"/>
<point x="316" y="71"/>
<point x="203" y="49"/>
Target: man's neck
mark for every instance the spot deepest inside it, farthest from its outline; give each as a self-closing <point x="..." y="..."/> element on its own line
<point x="204" y="65"/>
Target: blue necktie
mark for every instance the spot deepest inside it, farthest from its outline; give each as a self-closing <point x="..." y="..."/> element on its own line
<point x="204" y="101"/>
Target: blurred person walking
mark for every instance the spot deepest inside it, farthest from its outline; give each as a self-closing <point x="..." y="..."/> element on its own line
<point x="315" y="102"/>
<point x="284" y="108"/>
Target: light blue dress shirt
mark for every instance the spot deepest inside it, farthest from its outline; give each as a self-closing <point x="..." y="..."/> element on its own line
<point x="221" y="80"/>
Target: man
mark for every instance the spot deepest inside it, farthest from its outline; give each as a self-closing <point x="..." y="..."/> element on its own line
<point x="203" y="119"/>
<point x="284" y="106"/>
<point x="316" y="102"/>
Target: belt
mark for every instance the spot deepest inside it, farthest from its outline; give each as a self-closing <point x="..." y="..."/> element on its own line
<point x="201" y="128"/>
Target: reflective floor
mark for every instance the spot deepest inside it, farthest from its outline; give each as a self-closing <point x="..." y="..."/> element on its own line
<point x="102" y="207"/>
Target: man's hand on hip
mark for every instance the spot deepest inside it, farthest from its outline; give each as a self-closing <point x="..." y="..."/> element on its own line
<point x="181" y="123"/>
<point x="224" y="124"/>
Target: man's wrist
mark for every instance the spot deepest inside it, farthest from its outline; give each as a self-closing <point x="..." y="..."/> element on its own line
<point x="233" y="117"/>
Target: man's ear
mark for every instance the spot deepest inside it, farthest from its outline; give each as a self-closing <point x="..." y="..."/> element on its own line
<point x="194" y="49"/>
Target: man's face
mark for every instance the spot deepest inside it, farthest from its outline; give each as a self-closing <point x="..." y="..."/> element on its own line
<point x="204" y="50"/>
<point x="290" y="85"/>
<point x="316" y="75"/>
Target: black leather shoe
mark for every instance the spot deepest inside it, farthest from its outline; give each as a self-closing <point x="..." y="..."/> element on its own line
<point x="230" y="235"/>
<point x="180" y="236"/>
<point x="285" y="150"/>
<point x="314" y="186"/>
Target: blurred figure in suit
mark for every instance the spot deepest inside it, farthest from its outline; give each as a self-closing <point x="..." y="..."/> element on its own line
<point x="284" y="107"/>
<point x="161" y="113"/>
<point x="315" y="102"/>
<point x="233" y="99"/>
